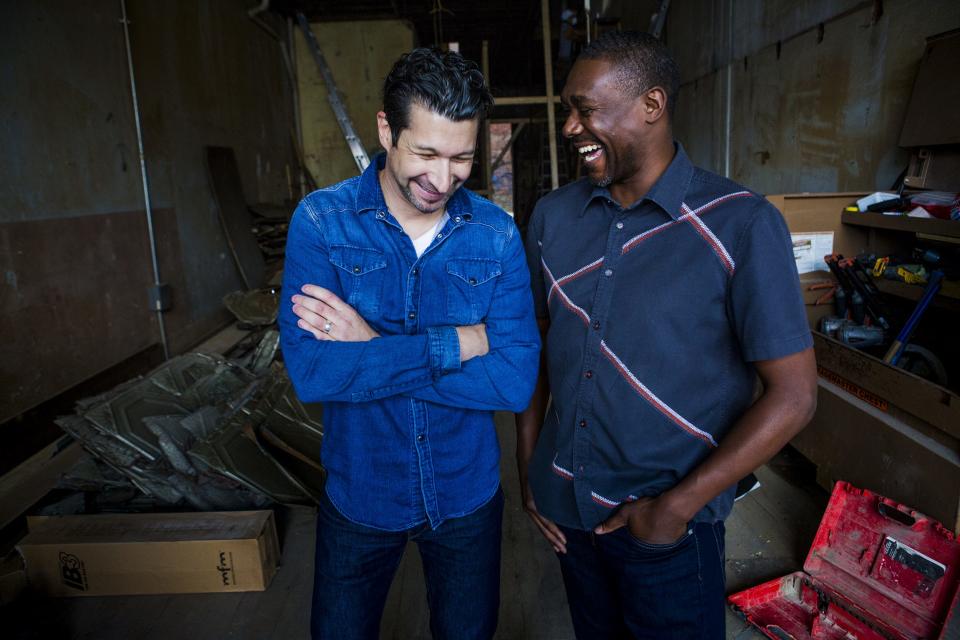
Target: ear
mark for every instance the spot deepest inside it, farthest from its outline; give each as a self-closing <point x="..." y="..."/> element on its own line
<point x="654" y="104"/>
<point x="383" y="131"/>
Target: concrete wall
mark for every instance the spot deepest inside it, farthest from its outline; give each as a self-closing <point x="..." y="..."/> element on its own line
<point x="74" y="255"/>
<point x="819" y="88"/>
<point x="359" y="54"/>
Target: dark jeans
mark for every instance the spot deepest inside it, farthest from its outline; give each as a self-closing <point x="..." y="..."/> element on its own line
<point x="356" y="564"/>
<point x="621" y="587"/>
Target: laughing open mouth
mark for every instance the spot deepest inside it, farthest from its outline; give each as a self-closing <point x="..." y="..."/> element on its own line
<point x="590" y="152"/>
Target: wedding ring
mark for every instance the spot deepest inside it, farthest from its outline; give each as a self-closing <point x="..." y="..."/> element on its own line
<point x="327" y="326"/>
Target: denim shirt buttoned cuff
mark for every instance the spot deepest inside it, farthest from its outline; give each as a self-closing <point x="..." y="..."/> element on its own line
<point x="444" y="350"/>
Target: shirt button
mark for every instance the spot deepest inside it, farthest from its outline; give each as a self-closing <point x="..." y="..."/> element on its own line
<point x="619" y="225"/>
<point x="381" y="215"/>
<point x="421" y="438"/>
<point x="583" y="423"/>
<point x="588" y="374"/>
<point x="412" y="315"/>
<point x="608" y="272"/>
<point x="473" y="281"/>
<point x="581" y="468"/>
<point x="439" y="235"/>
<point x="596" y="325"/>
<point x="457" y="219"/>
<point x="356" y="268"/>
<point x="416" y="271"/>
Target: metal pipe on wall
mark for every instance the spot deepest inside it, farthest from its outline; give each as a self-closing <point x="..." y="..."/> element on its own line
<point x="548" y="72"/>
<point x="158" y="306"/>
<point x="297" y="125"/>
<point x="728" y="107"/>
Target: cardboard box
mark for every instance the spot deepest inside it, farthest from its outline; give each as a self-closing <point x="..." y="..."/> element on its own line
<point x="819" y="213"/>
<point x="126" y="554"/>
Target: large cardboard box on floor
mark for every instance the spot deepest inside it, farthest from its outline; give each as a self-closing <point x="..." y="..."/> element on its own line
<point x="876" y="425"/>
<point x="126" y="554"/>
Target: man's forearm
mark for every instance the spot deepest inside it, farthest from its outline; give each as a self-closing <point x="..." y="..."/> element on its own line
<point x="324" y="371"/>
<point x="785" y="407"/>
<point x="530" y="421"/>
<point x="501" y="380"/>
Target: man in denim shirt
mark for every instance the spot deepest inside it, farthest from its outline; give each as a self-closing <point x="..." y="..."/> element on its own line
<point x="666" y="291"/>
<point x="412" y="321"/>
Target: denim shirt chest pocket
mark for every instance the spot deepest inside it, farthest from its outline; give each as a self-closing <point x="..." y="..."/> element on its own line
<point x="361" y="273"/>
<point x="470" y="285"/>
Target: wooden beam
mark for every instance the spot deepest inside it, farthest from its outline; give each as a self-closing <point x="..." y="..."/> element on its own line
<point x="507" y="101"/>
<point x="487" y="171"/>
<point x="517" y="120"/>
<point x="548" y="75"/>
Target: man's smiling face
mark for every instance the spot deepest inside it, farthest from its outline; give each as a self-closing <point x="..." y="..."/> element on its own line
<point x="604" y="123"/>
<point x="432" y="158"/>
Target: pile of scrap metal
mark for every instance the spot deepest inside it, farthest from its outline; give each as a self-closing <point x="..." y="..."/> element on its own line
<point x="205" y="432"/>
<point x="254" y="308"/>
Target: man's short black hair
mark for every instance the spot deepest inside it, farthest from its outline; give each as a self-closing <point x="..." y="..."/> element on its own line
<point x="642" y="62"/>
<point x="443" y="82"/>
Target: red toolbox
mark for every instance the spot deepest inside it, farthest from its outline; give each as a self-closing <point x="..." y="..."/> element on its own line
<point x="876" y="570"/>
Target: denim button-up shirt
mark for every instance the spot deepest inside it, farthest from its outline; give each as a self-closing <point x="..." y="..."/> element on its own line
<point x="408" y="430"/>
<point x="657" y="312"/>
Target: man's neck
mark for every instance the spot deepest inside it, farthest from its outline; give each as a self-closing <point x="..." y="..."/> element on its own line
<point x="413" y="221"/>
<point x="654" y="163"/>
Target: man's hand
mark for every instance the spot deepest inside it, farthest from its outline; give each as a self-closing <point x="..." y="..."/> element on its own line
<point x="547" y="527"/>
<point x="328" y="317"/>
<point x="649" y="519"/>
<point x="473" y="341"/>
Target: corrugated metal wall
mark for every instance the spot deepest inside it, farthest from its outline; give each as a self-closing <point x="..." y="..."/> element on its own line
<point x="819" y="88"/>
<point x="74" y="255"/>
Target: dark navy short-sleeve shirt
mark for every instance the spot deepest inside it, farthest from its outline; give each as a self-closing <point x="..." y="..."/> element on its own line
<point x="657" y="312"/>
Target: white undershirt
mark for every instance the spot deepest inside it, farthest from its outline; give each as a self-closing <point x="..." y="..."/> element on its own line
<point x="420" y="244"/>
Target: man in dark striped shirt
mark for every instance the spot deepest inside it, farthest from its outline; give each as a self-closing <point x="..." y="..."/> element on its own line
<point x="663" y="291"/>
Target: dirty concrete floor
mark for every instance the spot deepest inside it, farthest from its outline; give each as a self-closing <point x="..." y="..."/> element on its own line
<point x="767" y="536"/>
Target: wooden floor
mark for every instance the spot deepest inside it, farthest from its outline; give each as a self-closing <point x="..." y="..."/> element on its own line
<point x="767" y="536"/>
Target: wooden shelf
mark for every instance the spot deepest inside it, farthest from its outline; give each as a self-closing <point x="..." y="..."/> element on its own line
<point x="948" y="297"/>
<point x="935" y="226"/>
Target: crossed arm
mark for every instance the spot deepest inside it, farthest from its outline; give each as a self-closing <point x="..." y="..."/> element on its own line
<point x="327" y="317"/>
<point x="486" y="366"/>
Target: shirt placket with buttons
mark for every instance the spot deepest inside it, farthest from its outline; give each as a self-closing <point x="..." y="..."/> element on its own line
<point x="418" y="410"/>
<point x="583" y="457"/>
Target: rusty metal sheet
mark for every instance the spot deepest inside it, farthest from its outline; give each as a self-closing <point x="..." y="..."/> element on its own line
<point x="207" y="432"/>
<point x="258" y="307"/>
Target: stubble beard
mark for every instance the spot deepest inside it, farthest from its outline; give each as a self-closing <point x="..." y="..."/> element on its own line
<point x="603" y="181"/>
<point x="419" y="205"/>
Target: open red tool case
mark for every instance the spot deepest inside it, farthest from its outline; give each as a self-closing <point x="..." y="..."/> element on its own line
<point x="876" y="570"/>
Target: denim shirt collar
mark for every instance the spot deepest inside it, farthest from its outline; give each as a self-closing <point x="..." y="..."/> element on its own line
<point x="370" y="195"/>
<point x="667" y="192"/>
